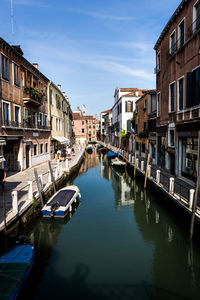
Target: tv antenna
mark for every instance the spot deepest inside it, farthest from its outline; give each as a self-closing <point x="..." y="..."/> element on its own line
<point x="12" y="21"/>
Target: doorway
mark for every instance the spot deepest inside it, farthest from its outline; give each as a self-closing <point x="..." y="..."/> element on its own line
<point x="27" y="156"/>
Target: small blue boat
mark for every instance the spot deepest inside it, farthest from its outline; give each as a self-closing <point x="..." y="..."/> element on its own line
<point x="15" y="266"/>
<point x="112" y="155"/>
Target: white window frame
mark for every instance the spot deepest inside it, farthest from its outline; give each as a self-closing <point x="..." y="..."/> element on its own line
<point x="179" y="33"/>
<point x="42" y="148"/>
<point x="36" y="149"/>
<point x="194" y="16"/>
<point x="46" y="150"/>
<point x="14" y="63"/>
<point x="19" y="113"/>
<point x="9" y="110"/>
<point x="169" y="137"/>
<point x="158" y="113"/>
<point x="170" y="42"/>
<point x="158" y="64"/>
<point x="178" y="93"/>
<point x="174" y="82"/>
<point x="6" y="80"/>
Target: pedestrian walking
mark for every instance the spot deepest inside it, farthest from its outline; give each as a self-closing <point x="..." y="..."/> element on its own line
<point x="2" y="177"/>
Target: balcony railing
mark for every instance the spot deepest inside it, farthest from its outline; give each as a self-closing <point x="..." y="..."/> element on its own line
<point x="33" y="96"/>
<point x="175" y="47"/>
<point x="24" y="124"/>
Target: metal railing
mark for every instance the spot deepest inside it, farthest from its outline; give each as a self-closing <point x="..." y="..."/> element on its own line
<point x="24" y="124"/>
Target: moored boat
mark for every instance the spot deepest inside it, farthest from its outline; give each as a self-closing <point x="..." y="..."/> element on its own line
<point x="117" y="163"/>
<point x="61" y="202"/>
<point x="89" y="148"/>
<point x="15" y="266"/>
<point x="112" y="155"/>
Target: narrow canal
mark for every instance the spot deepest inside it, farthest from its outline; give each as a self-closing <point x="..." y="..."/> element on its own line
<point x="119" y="243"/>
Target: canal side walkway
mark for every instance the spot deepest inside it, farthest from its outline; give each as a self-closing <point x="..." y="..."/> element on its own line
<point x="21" y="188"/>
<point x="179" y="189"/>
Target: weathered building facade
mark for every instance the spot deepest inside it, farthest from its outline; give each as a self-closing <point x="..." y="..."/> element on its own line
<point x="178" y="91"/>
<point x="24" y="110"/>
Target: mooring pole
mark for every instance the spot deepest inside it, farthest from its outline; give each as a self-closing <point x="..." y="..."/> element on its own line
<point x="39" y="186"/>
<point x="4" y="216"/>
<point x="52" y="177"/>
<point x="145" y="181"/>
<point x="194" y="207"/>
<point x="135" y="165"/>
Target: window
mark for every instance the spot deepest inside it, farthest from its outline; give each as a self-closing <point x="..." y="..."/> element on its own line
<point x="158" y="104"/>
<point x="136" y="128"/>
<point x="6" y="113"/>
<point x="40" y="119"/>
<point x="94" y="127"/>
<point x="17" y="114"/>
<point x="181" y="34"/>
<point x="90" y="127"/>
<point x="145" y="104"/>
<point x="180" y="93"/>
<point x="137" y="146"/>
<point x="172" y="97"/>
<point x="35" y="149"/>
<point x="45" y="121"/>
<point x="4" y="67"/>
<point x="41" y="148"/>
<point x="145" y="126"/>
<point x="46" y="147"/>
<point x="83" y="130"/>
<point x="16" y="75"/>
<point x="51" y="97"/>
<point x="171" y="137"/>
<point x="82" y="122"/>
<point x="143" y="147"/>
<point x="58" y="102"/>
<point x="158" y="62"/>
<point x="196" y="16"/>
<point x="34" y="118"/>
<point x="26" y="116"/>
<point x="129" y="106"/>
<point x="172" y="43"/>
<point x="193" y="88"/>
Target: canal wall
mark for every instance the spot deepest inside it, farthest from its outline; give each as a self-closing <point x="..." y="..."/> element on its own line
<point x="180" y="193"/>
<point x="24" y="203"/>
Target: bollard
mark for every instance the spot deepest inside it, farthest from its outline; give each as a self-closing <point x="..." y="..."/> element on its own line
<point x="67" y="164"/>
<point x="142" y="195"/>
<point x="192" y="191"/>
<point x="137" y="162"/>
<point x="129" y="158"/>
<point x="56" y="172"/>
<point x="149" y="171"/>
<point x="142" y="166"/>
<point x="60" y="169"/>
<point x="15" y="202"/>
<point x="171" y="185"/>
<point x="157" y="217"/>
<point x="133" y="158"/>
<point x="70" y="208"/>
<point x="30" y="190"/>
<point x="158" y="176"/>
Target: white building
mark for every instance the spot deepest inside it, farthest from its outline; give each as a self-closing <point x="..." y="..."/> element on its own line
<point x="122" y="110"/>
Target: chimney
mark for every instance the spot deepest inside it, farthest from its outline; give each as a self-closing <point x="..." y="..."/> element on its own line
<point x="64" y="94"/>
<point x="35" y="65"/>
<point x="18" y="49"/>
<point x="59" y="86"/>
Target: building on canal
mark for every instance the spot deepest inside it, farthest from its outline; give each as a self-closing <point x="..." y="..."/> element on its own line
<point x="122" y="110"/>
<point x="25" y="130"/>
<point x="144" y="132"/>
<point x="60" y="118"/>
<point x="85" y="127"/>
<point x="178" y="91"/>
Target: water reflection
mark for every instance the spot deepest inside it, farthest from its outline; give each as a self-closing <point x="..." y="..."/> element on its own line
<point x="137" y="251"/>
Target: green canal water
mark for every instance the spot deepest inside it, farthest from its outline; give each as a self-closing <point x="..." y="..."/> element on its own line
<point x="119" y="243"/>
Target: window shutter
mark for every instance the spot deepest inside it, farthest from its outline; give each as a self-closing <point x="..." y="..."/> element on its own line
<point x="126" y="107"/>
<point x="132" y="106"/>
<point x="189" y="93"/>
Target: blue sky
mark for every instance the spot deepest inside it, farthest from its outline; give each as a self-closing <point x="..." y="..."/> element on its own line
<point x="89" y="46"/>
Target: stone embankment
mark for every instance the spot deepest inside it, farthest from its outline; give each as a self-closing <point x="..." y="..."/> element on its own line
<point x="21" y="195"/>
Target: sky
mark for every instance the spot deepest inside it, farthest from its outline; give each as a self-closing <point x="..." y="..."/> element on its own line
<point x="90" y="47"/>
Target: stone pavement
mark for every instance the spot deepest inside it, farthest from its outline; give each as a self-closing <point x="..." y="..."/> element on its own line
<point x="19" y="182"/>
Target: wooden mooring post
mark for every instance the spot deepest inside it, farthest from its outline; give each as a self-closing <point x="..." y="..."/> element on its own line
<point x="135" y="165"/>
<point x="39" y="186"/>
<point x="4" y="217"/>
<point x="52" y="177"/>
<point x="145" y="181"/>
<point x="194" y="207"/>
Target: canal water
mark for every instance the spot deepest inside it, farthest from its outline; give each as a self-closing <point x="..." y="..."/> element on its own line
<point x="118" y="243"/>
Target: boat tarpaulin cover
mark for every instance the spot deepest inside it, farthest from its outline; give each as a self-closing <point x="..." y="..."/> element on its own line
<point x="63" y="197"/>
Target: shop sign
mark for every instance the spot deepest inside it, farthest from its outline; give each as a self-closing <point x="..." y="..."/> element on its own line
<point x="35" y="134"/>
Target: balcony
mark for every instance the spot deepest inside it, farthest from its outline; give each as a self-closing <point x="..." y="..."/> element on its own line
<point x="26" y="124"/>
<point x="33" y="96"/>
<point x="194" y="27"/>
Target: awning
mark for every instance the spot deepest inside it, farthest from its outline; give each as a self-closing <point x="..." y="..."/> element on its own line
<point x="61" y="139"/>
